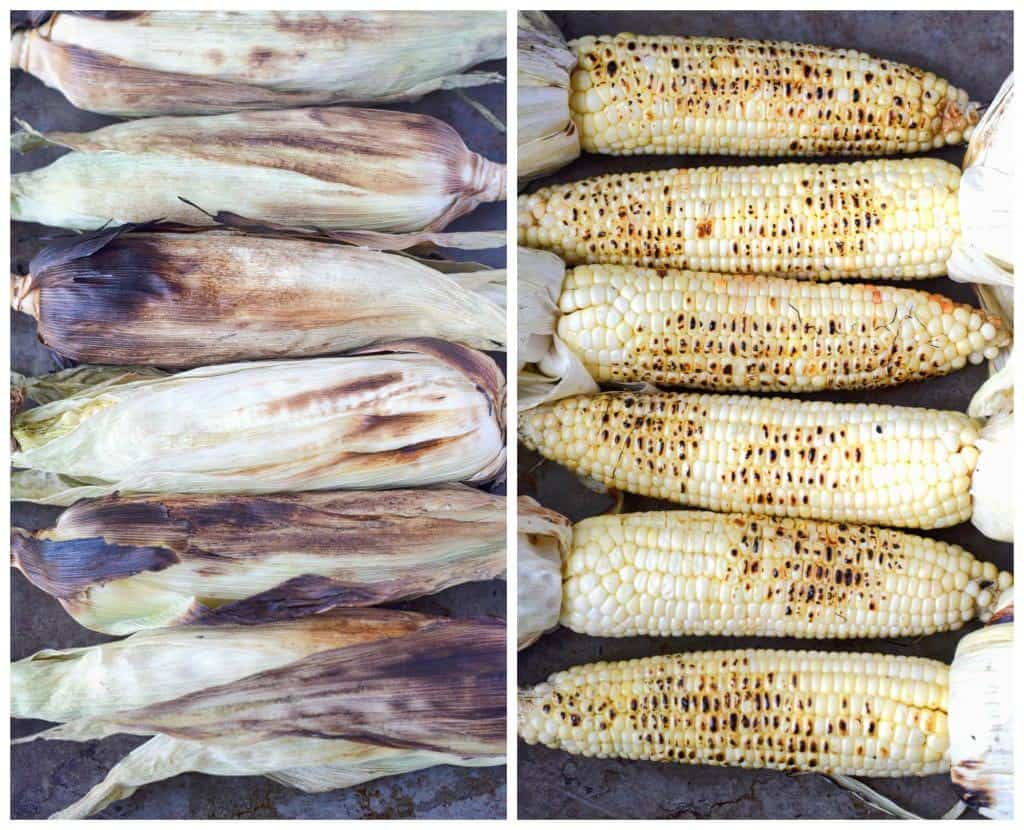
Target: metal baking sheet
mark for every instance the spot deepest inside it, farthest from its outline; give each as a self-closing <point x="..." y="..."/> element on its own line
<point x="48" y="776"/>
<point x="973" y="50"/>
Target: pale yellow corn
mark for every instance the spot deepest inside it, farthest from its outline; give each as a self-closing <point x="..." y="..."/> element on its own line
<point x="711" y="331"/>
<point x="888" y="219"/>
<point x="799" y="711"/>
<point x="687" y="573"/>
<point x="886" y="465"/>
<point x="659" y="94"/>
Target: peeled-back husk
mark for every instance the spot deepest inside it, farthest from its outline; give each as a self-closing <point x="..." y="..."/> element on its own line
<point x="406" y="414"/>
<point x="330" y="718"/>
<point x="193" y="299"/>
<point x="994" y="507"/>
<point x="122" y="564"/>
<point x="548" y="138"/>
<point x="548" y="369"/>
<point x="333" y="168"/>
<point x="202" y="61"/>
<point x="544" y="538"/>
<point x="981" y="704"/>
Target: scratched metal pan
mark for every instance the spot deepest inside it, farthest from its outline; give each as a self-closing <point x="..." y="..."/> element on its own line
<point x="48" y="776"/>
<point x="973" y="50"/>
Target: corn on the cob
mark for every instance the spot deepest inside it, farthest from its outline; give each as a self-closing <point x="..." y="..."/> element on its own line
<point x="122" y="564"/>
<point x="887" y="219"/>
<point x="695" y="574"/>
<point x="799" y="711"/>
<point x="192" y="62"/>
<point x="321" y="709"/>
<point x="887" y="465"/>
<point x="339" y="167"/>
<point x="405" y="414"/>
<point x="742" y="333"/>
<point x="190" y="299"/>
<point x="634" y="94"/>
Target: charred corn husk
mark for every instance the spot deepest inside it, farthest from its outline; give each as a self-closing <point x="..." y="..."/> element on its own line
<point x="338" y="167"/>
<point x="190" y="299"/>
<point x="886" y="219"/>
<point x="799" y="711"/>
<point x="719" y="332"/>
<point x="405" y="414"/>
<point x="686" y="573"/>
<point x="865" y="463"/>
<point x="324" y="702"/>
<point x="635" y="94"/>
<point x="191" y="62"/>
<point x="122" y="564"/>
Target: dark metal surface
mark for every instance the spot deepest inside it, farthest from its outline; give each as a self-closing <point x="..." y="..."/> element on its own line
<point x="48" y="776"/>
<point x="972" y="50"/>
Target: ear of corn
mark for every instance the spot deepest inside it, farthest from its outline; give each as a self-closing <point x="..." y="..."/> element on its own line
<point x="320" y="167"/>
<point x="716" y="332"/>
<point x="798" y="711"/>
<point x="119" y="565"/>
<point x="189" y="299"/>
<point x="888" y="219"/>
<point x="190" y="62"/>
<point x="548" y="137"/>
<point x="673" y="574"/>
<point x="334" y="715"/>
<point x="405" y="414"/>
<point x="639" y="94"/>
<point x="870" y="464"/>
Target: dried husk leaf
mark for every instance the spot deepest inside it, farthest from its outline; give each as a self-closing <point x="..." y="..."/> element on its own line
<point x="544" y="539"/>
<point x="163" y="664"/>
<point x="406" y="414"/>
<point x="548" y="138"/>
<point x="119" y="564"/>
<point x="203" y="61"/>
<point x="434" y="694"/>
<point x="981" y="704"/>
<point x="192" y="299"/>
<point x="334" y="168"/>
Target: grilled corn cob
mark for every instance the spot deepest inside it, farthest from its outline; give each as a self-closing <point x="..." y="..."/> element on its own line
<point x="634" y="94"/>
<point x="340" y="168"/>
<point x="870" y="464"/>
<point x="799" y="711"/>
<point x="716" y="332"/>
<point x="310" y="709"/>
<point x="697" y="574"/>
<point x="404" y="414"/>
<point x="190" y="299"/>
<point x="183" y="62"/>
<point x="122" y="564"/>
<point x="887" y="219"/>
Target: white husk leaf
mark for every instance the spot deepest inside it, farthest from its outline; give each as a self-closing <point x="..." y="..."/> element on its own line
<point x="307" y="57"/>
<point x="544" y="538"/>
<point x="981" y="704"/>
<point x="269" y="427"/>
<point x="548" y="369"/>
<point x="992" y="480"/>
<point x="548" y="138"/>
<point x="152" y="666"/>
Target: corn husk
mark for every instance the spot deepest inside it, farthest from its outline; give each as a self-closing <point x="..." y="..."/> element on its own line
<point x="333" y="168"/>
<point x="406" y="692"/>
<point x="191" y="299"/>
<point x="123" y="564"/>
<point x="543" y="540"/>
<point x="407" y="414"/>
<point x="548" y="138"/>
<point x="981" y="704"/>
<point x="193" y="62"/>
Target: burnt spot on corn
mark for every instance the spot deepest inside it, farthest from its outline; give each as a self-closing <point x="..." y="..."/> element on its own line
<point x="326" y="397"/>
<point x="258" y="57"/>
